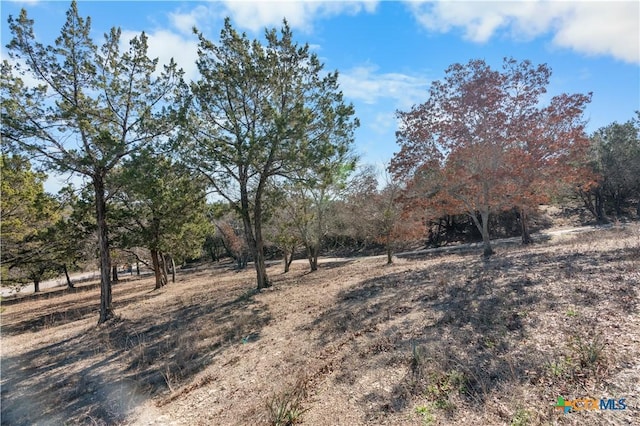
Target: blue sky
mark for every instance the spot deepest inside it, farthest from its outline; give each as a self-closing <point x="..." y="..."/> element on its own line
<point x="387" y="53"/>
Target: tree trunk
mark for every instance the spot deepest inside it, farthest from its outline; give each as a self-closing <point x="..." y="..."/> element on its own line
<point x="638" y="209"/>
<point x="66" y="274"/>
<point x="155" y="260"/>
<point x="312" y="256"/>
<point x="289" y="261"/>
<point x="600" y="215"/>
<point x="173" y="270"/>
<point x="36" y="285"/>
<point x="253" y="231"/>
<point x="484" y="230"/>
<point x="524" y="218"/>
<point x="287" y="264"/>
<point x="389" y="251"/>
<point x="164" y="269"/>
<point x="260" y="261"/>
<point x="261" y="268"/>
<point x="618" y="199"/>
<point x="486" y="240"/>
<point x="114" y="273"/>
<point x="137" y="268"/>
<point x="594" y="201"/>
<point x="106" y="309"/>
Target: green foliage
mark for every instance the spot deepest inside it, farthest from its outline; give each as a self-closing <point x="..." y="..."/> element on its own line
<point x="28" y="218"/>
<point x="160" y="205"/>
<point x="434" y="379"/>
<point x="585" y="358"/>
<point x="558" y="368"/>
<point x="24" y="202"/>
<point x="307" y="201"/>
<point x="259" y="115"/>
<point x="427" y="415"/>
<point x="96" y="106"/>
<point x="441" y="384"/>
<point x="615" y="159"/>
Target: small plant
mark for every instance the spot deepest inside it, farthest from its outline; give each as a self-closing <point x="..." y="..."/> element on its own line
<point x="571" y="313"/>
<point x="458" y="381"/>
<point x="521" y="418"/>
<point x="168" y="377"/>
<point x="418" y="360"/>
<point x="427" y="415"/>
<point x="422" y="409"/>
<point x="556" y="369"/>
<point x="444" y="404"/>
<point x="442" y="385"/>
<point x="563" y="369"/>
<point x="489" y="343"/>
<point x="433" y="377"/>
<point x="285" y="408"/>
<point x="589" y="352"/>
<point x="587" y="358"/>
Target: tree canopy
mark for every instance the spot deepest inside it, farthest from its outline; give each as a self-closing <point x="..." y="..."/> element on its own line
<point x="94" y="106"/>
<point x="261" y="114"/>
<point x="161" y="206"/>
<point x="482" y="143"/>
<point x="28" y="215"/>
<point x="614" y="159"/>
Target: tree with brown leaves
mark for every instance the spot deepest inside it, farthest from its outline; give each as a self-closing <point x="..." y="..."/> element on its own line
<point x="481" y="143"/>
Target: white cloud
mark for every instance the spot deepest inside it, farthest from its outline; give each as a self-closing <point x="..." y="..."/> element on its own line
<point x="26" y="2"/>
<point x="300" y="14"/>
<point x="184" y="22"/>
<point x="589" y="27"/>
<point x="611" y="28"/>
<point x="366" y="85"/>
<point x="180" y="43"/>
<point x="165" y="45"/>
<point x="383" y="122"/>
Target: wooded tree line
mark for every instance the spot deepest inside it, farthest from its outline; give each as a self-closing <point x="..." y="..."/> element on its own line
<point x="261" y="116"/>
<point x="265" y="132"/>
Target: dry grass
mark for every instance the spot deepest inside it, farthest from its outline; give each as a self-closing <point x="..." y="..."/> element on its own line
<point x="436" y="339"/>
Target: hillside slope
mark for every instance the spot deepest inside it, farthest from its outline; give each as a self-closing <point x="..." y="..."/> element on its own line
<point x="446" y="338"/>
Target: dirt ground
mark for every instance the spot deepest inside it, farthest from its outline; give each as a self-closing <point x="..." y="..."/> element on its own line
<point x="438" y="338"/>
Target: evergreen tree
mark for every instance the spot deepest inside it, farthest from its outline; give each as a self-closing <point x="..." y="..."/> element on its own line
<point x="162" y="207"/>
<point x="28" y="213"/>
<point x="261" y="114"/>
<point x="95" y="107"/>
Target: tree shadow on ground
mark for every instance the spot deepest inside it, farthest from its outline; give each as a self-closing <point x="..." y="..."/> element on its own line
<point x="336" y="263"/>
<point x="80" y="305"/>
<point x="67" y="312"/>
<point x="99" y="375"/>
<point x="474" y="322"/>
<point x="467" y="324"/>
<point x="80" y="286"/>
